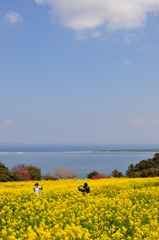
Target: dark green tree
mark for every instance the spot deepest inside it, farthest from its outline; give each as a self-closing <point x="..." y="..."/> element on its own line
<point x="117" y="174"/>
<point x="130" y="170"/>
<point x="92" y="174"/>
<point x="145" y="168"/>
<point x="4" y="173"/>
<point x="35" y="172"/>
<point x="15" y="174"/>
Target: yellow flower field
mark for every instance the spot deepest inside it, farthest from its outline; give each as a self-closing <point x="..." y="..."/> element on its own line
<point x="114" y="209"/>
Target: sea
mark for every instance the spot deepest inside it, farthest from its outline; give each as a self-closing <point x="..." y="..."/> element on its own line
<point x="82" y="158"/>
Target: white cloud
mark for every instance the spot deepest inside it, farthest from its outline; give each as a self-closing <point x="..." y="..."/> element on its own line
<point x="91" y="14"/>
<point x="139" y="122"/>
<point x="13" y="17"/>
<point x="6" y="124"/>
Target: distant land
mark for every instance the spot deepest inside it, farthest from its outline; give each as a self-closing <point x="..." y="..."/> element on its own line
<point x="18" y="147"/>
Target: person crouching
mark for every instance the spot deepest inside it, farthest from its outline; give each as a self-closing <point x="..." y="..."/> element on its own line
<point x="84" y="189"/>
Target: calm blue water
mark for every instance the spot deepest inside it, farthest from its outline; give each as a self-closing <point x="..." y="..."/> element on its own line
<point x="85" y="159"/>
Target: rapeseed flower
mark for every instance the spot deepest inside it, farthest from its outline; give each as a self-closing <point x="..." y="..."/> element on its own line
<point x="114" y="209"/>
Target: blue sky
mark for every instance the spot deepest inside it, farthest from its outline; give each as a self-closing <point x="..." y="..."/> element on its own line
<point x="79" y="71"/>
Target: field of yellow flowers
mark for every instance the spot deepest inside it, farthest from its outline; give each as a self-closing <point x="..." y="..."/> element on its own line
<point x="114" y="209"/>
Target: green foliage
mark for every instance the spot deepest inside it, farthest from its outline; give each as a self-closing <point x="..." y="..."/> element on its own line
<point x="117" y="174"/>
<point x="130" y="170"/>
<point x="92" y="174"/>
<point x="15" y="174"/>
<point x="35" y="172"/>
<point x="4" y="173"/>
<point x="145" y="168"/>
<point x="19" y="173"/>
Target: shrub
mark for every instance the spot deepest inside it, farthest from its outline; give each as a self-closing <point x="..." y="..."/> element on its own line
<point x="20" y="173"/>
<point x="25" y="173"/>
<point x="15" y="174"/>
<point x="92" y="174"/>
<point x="99" y="176"/>
<point x="35" y="172"/>
<point x="49" y="176"/>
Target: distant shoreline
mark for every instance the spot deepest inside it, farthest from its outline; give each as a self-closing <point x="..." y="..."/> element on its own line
<point x="84" y="151"/>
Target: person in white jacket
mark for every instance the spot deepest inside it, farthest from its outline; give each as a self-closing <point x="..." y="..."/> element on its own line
<point x="37" y="189"/>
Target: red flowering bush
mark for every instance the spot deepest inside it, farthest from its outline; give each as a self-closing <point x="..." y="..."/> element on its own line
<point x="99" y="176"/>
<point x="25" y="173"/>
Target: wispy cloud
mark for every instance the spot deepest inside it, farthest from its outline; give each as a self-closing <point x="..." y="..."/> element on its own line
<point x="6" y="124"/>
<point x="139" y="122"/>
<point x="147" y="47"/>
<point x="80" y="36"/>
<point x="96" y="34"/>
<point x="91" y="14"/>
<point x="83" y="35"/>
<point x="126" y="62"/>
<point x="13" y="18"/>
<point x="129" y="37"/>
<point x="143" y="122"/>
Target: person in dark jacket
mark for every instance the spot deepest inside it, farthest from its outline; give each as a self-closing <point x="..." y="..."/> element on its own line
<point x="84" y="189"/>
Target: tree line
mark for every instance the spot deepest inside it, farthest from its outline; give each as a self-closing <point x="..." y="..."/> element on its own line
<point x="19" y="173"/>
<point x="27" y="173"/>
<point x="145" y="168"/>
